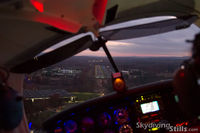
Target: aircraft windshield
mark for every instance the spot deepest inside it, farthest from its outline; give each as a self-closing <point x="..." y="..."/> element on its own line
<point x="88" y="75"/>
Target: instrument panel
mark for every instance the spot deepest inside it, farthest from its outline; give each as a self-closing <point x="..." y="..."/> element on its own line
<point x="118" y="113"/>
<point x="108" y="119"/>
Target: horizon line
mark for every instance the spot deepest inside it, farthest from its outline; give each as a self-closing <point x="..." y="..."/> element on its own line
<point x="133" y="56"/>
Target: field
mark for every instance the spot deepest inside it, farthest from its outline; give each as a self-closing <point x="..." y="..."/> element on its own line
<point x="84" y="96"/>
<point x="37" y="118"/>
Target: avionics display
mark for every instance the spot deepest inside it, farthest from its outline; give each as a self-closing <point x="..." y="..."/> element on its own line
<point x="149" y="107"/>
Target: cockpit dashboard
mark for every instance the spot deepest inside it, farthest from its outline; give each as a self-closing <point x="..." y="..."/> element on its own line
<point x="130" y="112"/>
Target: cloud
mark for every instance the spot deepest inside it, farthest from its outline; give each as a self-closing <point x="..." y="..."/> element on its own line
<point x="118" y="43"/>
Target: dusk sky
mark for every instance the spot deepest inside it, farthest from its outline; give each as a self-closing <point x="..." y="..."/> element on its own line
<point x="166" y="44"/>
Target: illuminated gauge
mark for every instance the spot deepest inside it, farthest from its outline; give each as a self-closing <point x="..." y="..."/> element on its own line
<point x="126" y="129"/>
<point x="70" y="126"/>
<point x="104" y="119"/>
<point x="121" y="116"/>
<point x="87" y="124"/>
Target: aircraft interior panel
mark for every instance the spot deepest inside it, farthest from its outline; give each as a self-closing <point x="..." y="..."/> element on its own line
<point x="121" y="113"/>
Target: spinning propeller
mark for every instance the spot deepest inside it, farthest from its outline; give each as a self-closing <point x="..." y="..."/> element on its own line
<point x="87" y="41"/>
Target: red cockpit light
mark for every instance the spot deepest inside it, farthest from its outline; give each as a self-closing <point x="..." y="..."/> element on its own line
<point x="182" y="74"/>
<point x="38" y="5"/>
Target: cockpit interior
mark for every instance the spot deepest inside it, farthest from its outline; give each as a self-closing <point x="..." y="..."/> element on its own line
<point x="30" y="31"/>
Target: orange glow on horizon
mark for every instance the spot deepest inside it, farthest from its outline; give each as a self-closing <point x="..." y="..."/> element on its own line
<point x="101" y="53"/>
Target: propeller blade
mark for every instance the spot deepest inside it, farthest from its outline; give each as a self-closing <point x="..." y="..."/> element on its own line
<point x="148" y="29"/>
<point x="54" y="56"/>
